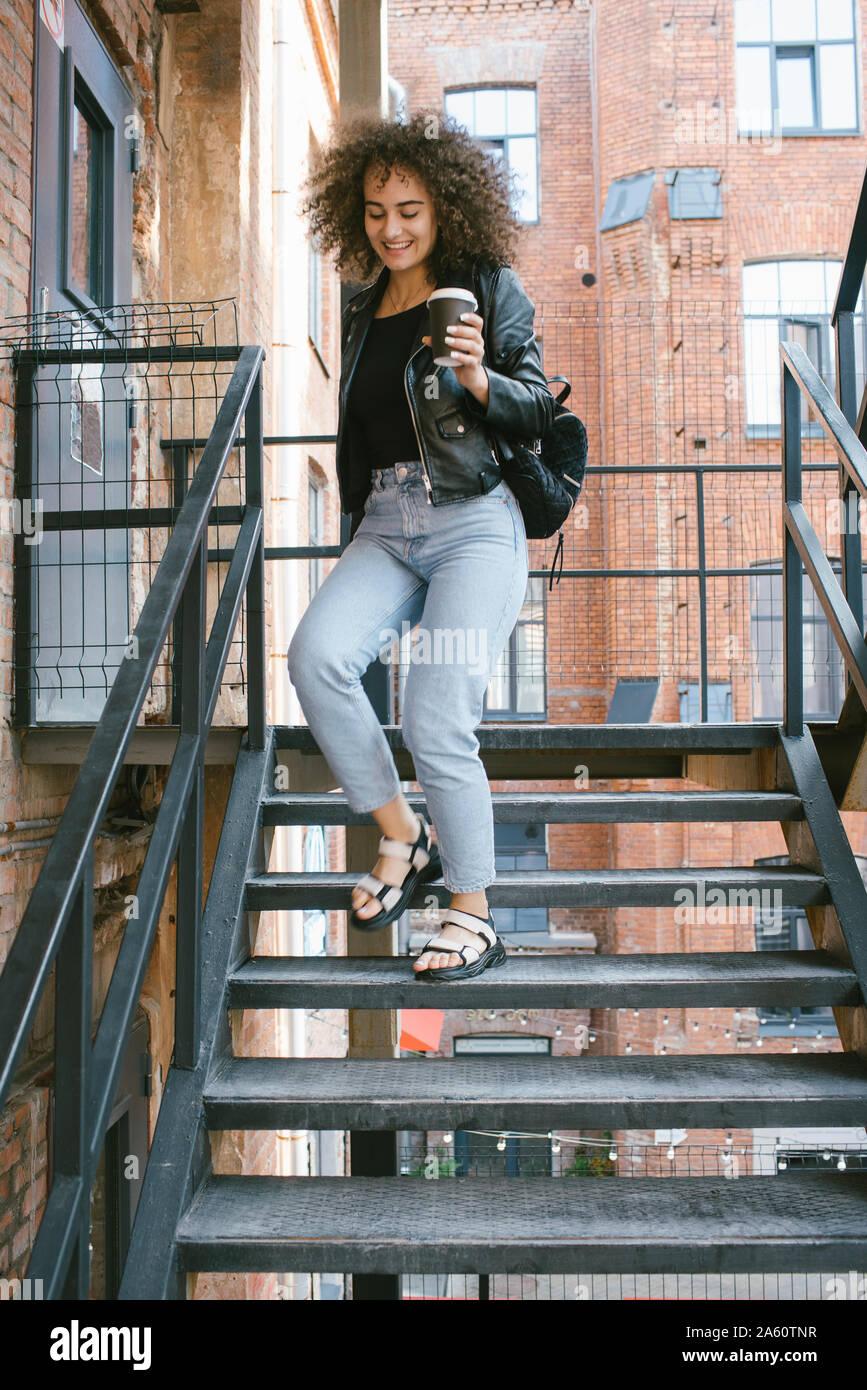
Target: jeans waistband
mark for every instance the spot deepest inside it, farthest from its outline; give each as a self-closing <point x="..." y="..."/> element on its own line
<point x="403" y="471"/>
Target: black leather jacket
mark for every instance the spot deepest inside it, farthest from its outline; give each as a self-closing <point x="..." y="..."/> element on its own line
<point x="456" y="435"/>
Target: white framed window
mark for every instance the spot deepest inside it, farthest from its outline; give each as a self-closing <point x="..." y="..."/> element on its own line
<point x="790" y="301"/>
<point x="504" y="120"/>
<point x="516" y="689"/>
<point x="795" y="66"/>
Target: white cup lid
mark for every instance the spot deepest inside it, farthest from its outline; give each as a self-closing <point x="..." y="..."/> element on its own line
<point x="455" y="293"/>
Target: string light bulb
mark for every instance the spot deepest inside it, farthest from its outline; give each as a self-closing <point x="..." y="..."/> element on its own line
<point x="841" y="1163"/>
<point x="501" y="1143"/>
<point x="447" y="1138"/>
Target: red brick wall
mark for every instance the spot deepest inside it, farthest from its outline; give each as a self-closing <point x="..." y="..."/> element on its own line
<point x="23" y="1177"/>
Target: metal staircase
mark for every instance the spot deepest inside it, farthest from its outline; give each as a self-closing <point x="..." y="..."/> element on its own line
<point x="379" y="1224"/>
<point x="197" y="1220"/>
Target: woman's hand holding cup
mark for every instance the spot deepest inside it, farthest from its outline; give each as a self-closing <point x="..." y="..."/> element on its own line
<point x="466" y="345"/>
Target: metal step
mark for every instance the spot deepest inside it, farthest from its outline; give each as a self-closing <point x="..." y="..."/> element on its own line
<point x="700" y="980"/>
<point x="715" y="1091"/>
<point x="807" y="1221"/>
<point x="553" y="808"/>
<point x="567" y="888"/>
<point x="553" y="751"/>
<point x="631" y="738"/>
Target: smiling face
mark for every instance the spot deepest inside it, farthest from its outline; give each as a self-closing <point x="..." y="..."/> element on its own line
<point x="399" y="218"/>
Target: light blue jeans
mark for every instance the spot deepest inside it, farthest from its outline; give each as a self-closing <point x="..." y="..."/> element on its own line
<point x="460" y="571"/>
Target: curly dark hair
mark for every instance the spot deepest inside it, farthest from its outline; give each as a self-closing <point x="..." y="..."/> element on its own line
<point x="472" y="192"/>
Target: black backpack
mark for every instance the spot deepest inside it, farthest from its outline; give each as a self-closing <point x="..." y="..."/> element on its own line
<point x="547" y="478"/>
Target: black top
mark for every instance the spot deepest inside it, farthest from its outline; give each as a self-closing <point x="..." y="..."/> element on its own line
<point x="377" y="409"/>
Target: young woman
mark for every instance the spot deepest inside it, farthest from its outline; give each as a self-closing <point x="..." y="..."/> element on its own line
<point x="437" y="536"/>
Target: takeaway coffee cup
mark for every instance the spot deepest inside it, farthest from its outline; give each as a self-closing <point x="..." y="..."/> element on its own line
<point x="445" y="307"/>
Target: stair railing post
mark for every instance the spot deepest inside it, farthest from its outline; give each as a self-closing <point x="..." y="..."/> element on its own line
<point x="179" y="492"/>
<point x="793" y="597"/>
<point x="702" y="592"/>
<point x="73" y="1007"/>
<point x="188" y="916"/>
<point x="850" y="553"/>
<point x="254" y="465"/>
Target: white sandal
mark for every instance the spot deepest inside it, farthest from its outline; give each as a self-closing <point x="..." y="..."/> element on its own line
<point x="424" y="861"/>
<point x="494" y="952"/>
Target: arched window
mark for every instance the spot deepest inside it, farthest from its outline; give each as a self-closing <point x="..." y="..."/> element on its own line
<point x="503" y="119"/>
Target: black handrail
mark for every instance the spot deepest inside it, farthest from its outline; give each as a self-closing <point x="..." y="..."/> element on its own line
<point x="800" y="541"/>
<point x="57" y="922"/>
<point x="855" y="263"/>
<point x="843" y="323"/>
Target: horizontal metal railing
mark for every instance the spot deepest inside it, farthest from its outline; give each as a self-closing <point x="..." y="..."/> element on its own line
<point x="57" y="926"/>
<point x="703" y="572"/>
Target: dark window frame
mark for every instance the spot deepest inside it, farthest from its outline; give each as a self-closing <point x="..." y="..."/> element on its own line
<point x="699" y="177"/>
<point x="793" y="47"/>
<point x="826" y="366"/>
<point x="772" y="619"/>
<point x="693" y="688"/>
<point x="510" y="711"/>
<point x="793" y="1021"/>
<point x="470" y="89"/>
<point x="77" y="94"/>
<point x="536" y="848"/>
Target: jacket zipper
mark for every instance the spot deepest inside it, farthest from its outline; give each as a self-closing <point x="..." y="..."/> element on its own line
<point x="415" y="427"/>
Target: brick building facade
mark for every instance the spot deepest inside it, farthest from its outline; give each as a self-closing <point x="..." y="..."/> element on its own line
<point x="639" y="304"/>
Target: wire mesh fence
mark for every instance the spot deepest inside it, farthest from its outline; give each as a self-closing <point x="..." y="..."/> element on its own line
<point x="113" y="408"/>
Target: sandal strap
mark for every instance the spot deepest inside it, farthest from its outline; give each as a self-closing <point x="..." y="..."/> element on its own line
<point x="471" y="922"/>
<point x="415" y="852"/>
<point x="386" y="892"/>
<point x="440" y="943"/>
<point x="399" y="849"/>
